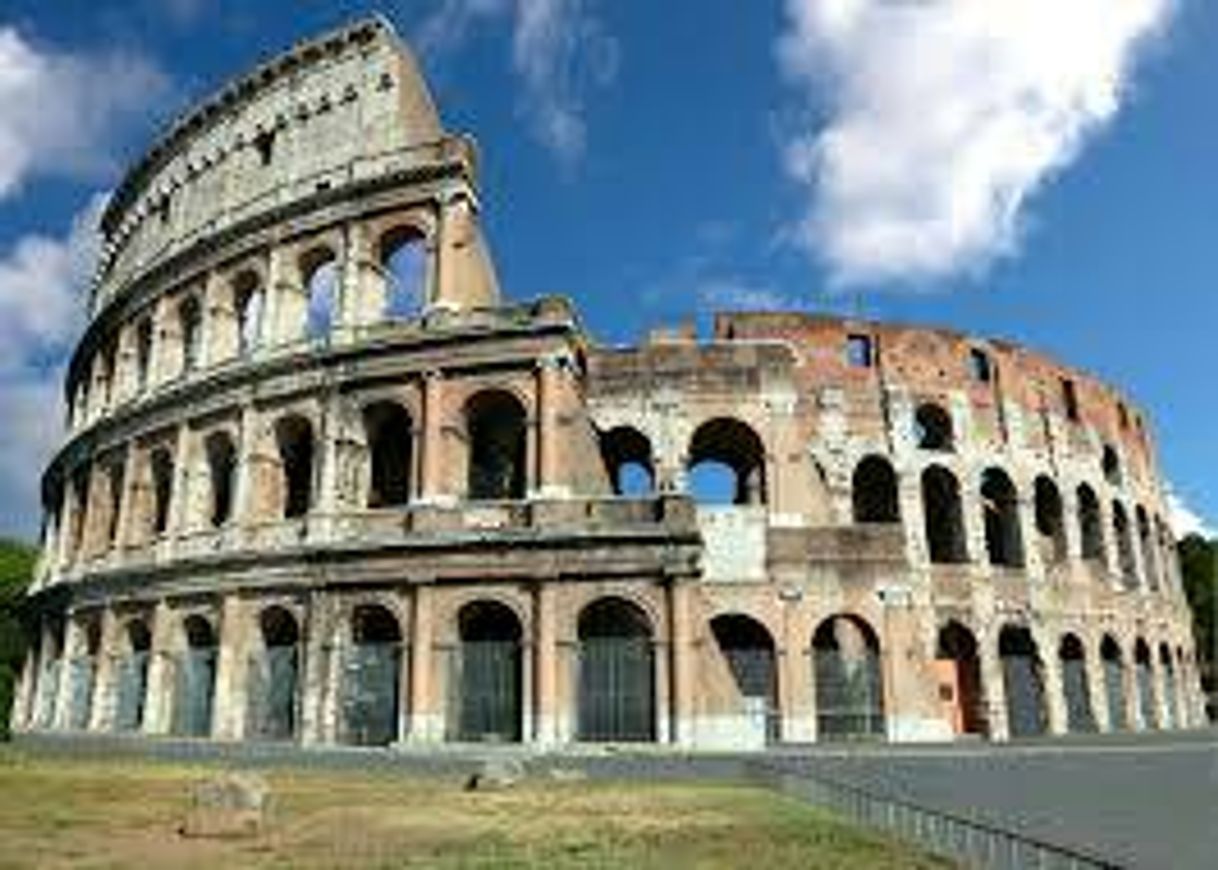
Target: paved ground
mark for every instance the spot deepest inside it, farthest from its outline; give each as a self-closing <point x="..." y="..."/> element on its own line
<point x="1142" y="801"/>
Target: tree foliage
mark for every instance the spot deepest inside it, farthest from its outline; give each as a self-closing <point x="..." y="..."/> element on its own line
<point x="1199" y="569"/>
<point x="16" y="569"/>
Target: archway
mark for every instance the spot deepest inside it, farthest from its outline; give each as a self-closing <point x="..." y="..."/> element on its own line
<point x="874" y="491"/>
<point x="1171" y="714"/>
<point x="274" y="677"/>
<point x="1144" y="678"/>
<point x="389" y="431"/>
<point x="195" y="679"/>
<point x="133" y="677"/>
<point x="372" y="671"/>
<point x="50" y="673"/>
<point x="320" y="278"/>
<point x="616" y="673"/>
<point x="933" y="427"/>
<point x="1050" y="525"/>
<point x="846" y="673"/>
<point x="1124" y="541"/>
<point x="1000" y="504"/>
<point x="487" y="688"/>
<point x="222" y="472"/>
<point x="1023" y="678"/>
<point x="83" y="675"/>
<point x="727" y="463"/>
<point x="944" y="520"/>
<point x="495" y="427"/>
<point x="247" y="305"/>
<point x="403" y="256"/>
<point x="628" y="460"/>
<point x="748" y="649"/>
<point x="1114" y="684"/>
<point x="1090" y="526"/>
<point x="294" y="438"/>
<point x="1075" y="690"/>
<point x="961" y="691"/>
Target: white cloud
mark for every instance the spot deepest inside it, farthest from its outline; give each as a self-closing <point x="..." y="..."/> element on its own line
<point x="42" y="285"/>
<point x="560" y="50"/>
<point x="59" y="112"/>
<point x="729" y="293"/>
<point x="942" y="117"/>
<point x="1185" y="521"/>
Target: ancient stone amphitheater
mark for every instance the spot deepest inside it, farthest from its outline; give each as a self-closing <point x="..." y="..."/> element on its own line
<point x="323" y="484"/>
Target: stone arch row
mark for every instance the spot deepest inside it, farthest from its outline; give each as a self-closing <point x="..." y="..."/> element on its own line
<point x="300" y="294"/>
<point x="1153" y="695"/>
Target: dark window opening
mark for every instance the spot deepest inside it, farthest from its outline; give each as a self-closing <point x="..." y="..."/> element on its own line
<point x="933" y="427"/>
<point x="389" y="432"/>
<point x="222" y="465"/>
<point x="1111" y="465"/>
<point x="162" y="489"/>
<point x="1124" y="540"/>
<point x="874" y="492"/>
<point x="980" y="368"/>
<point x="1070" y="399"/>
<point x="1049" y="520"/>
<point x="247" y="302"/>
<point x="264" y="142"/>
<point x="944" y="517"/>
<point x="495" y="427"/>
<point x="860" y="351"/>
<point x="191" y="321"/>
<point x="727" y="463"/>
<point x="1090" y="526"/>
<point x="626" y="453"/>
<point x="294" y="436"/>
<point x="1000" y="505"/>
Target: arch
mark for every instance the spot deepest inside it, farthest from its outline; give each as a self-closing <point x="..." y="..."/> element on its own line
<point x="748" y="650"/>
<point x="1050" y="520"/>
<point x="943" y="516"/>
<point x="874" y="491"/>
<point x="847" y="678"/>
<point x="403" y="257"/>
<point x="1110" y="465"/>
<point x="372" y="677"/>
<point x="1000" y="506"/>
<point x="1144" y="679"/>
<point x="162" y="488"/>
<point x="487" y="692"/>
<point x="190" y="326"/>
<point x="132" y="672"/>
<point x="1075" y="690"/>
<point x="1146" y="545"/>
<point x="1124" y="541"/>
<point x="1090" y="526"/>
<point x="222" y="469"/>
<point x="933" y="427"/>
<point x="195" y="678"/>
<point x="1114" y="683"/>
<point x="319" y="277"/>
<point x="629" y="461"/>
<point x="1170" y="701"/>
<point x="730" y="450"/>
<point x="248" y="300"/>
<point x="274" y="677"/>
<point x="82" y="673"/>
<point x="294" y="439"/>
<point x="495" y="428"/>
<point x="390" y="433"/>
<point x="616" y="693"/>
<point x="961" y="689"/>
<point x="1023" y="678"/>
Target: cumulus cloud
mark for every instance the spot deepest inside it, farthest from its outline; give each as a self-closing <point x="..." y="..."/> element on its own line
<point x="940" y="118"/>
<point x="42" y="285"/>
<point x="560" y="50"/>
<point x="1186" y="521"/>
<point x="59" y="112"/>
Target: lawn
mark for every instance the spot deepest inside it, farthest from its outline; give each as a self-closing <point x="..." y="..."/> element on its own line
<point x="57" y="812"/>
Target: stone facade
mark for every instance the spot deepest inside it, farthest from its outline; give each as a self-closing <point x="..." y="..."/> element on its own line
<point x="321" y="484"/>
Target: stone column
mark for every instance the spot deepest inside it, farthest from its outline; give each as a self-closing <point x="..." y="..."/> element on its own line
<point x="180" y="520"/>
<point x="228" y="718"/>
<point x="545" y="433"/>
<point x="122" y="526"/>
<point x="317" y="680"/>
<point x="1097" y="687"/>
<point x="431" y="484"/>
<point x="1054" y="690"/>
<point x="795" y="676"/>
<point x="545" y="663"/>
<point x="159" y="699"/>
<point x="105" y="689"/>
<point x="63" y="701"/>
<point x="331" y="435"/>
<point x="218" y="331"/>
<point x="682" y="678"/>
<point x="426" y="724"/>
<point x="995" y="688"/>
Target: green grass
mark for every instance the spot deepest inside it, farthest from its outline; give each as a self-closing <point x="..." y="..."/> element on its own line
<point x="65" y="813"/>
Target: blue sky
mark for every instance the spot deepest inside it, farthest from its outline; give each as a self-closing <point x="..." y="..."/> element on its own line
<point x="1043" y="177"/>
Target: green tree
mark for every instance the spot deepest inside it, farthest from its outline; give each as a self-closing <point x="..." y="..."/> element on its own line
<point x="1199" y="570"/>
<point x="16" y="569"/>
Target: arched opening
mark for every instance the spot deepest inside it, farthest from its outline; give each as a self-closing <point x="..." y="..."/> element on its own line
<point x="495" y="427"/>
<point x="190" y="324"/>
<point x="194" y="679"/>
<point x="1000" y="505"/>
<point x="1050" y="524"/>
<point x="1146" y="543"/>
<point x="389" y="431"/>
<point x="961" y="691"/>
<point x="132" y="668"/>
<point x="874" y="492"/>
<point x="943" y="515"/>
<point x="1171" y="712"/>
<point x="1110" y="464"/>
<point x="116" y="475"/>
<point x="294" y="438"/>
<point x="628" y="460"/>
<point x="143" y="353"/>
<point x="1023" y="678"/>
<point x="933" y="427"/>
<point x="247" y="306"/>
<point x="1124" y="540"/>
<point x="83" y="675"/>
<point x="848" y="681"/>
<point x="1146" y="688"/>
<point x="1091" y="528"/>
<point x="319" y="276"/>
<point x="1076" y="693"/>
<point x="616" y="673"/>
<point x="274" y="677"/>
<point x="222" y="468"/>
<point x="727" y="463"/>
<point x="162" y="489"/>
<point x="372" y="677"/>
<point x="487" y="684"/>
<point x="50" y="673"/>
<point x="748" y="650"/>
<point x="1114" y="684"/>
<point x="403" y="257"/>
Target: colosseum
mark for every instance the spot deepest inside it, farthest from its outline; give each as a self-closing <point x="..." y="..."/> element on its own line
<point x="323" y="484"/>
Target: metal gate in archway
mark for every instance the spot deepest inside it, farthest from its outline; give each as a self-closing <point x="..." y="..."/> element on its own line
<point x="616" y="689"/>
<point x="1146" y="696"/>
<point x="81" y="673"/>
<point x="1079" y="716"/>
<point x="271" y="690"/>
<point x="849" y="695"/>
<point x="1171" y="717"/>
<point x="1025" y="695"/>
<point x="48" y="693"/>
<point x="132" y="689"/>
<point x="487" y="688"/>
<point x="370" y="697"/>
<point x="1114" y="688"/>
<point x="194" y="685"/>
<point x="757" y="681"/>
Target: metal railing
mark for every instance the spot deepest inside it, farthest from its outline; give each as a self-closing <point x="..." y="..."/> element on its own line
<point x="973" y="843"/>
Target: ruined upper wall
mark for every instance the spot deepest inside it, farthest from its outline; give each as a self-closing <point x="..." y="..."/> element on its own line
<point x="347" y="105"/>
